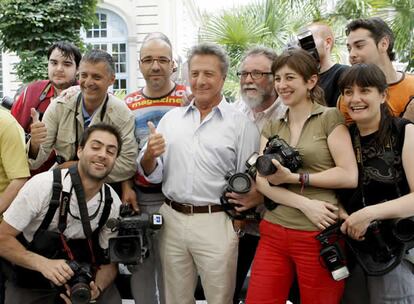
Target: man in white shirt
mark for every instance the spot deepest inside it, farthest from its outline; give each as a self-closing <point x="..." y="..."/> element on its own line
<point x="77" y="232"/>
<point x="190" y="152"/>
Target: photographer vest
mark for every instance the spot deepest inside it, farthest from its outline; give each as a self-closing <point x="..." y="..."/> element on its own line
<point x="50" y="244"/>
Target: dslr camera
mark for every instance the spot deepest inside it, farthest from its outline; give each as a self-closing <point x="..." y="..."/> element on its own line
<point x="277" y="148"/>
<point x="80" y="291"/>
<point x="307" y="43"/>
<point x="241" y="183"/>
<point x="131" y="245"/>
<point x="331" y="252"/>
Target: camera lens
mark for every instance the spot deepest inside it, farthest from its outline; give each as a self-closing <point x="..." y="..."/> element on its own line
<point x="126" y="247"/>
<point x="80" y="293"/>
<point x="265" y="166"/>
<point x="240" y="183"/>
<point x="403" y="229"/>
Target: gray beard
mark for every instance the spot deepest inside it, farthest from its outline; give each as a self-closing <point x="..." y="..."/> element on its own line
<point x="253" y="102"/>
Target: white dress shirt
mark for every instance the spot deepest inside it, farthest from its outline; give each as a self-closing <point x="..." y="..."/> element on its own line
<point x="199" y="154"/>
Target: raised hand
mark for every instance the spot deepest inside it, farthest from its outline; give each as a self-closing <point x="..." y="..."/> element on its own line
<point x="155" y="148"/>
<point x="156" y="142"/>
<point x="38" y="132"/>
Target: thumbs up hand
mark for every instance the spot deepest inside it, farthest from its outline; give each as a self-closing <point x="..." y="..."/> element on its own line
<point x="35" y="115"/>
<point x="38" y="132"/>
<point x="156" y="142"/>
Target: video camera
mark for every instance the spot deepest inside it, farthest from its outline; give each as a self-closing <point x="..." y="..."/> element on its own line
<point x="332" y="253"/>
<point x="131" y="245"/>
<point x="241" y="183"/>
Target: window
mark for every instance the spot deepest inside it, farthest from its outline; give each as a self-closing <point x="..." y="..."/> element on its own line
<point x="100" y="29"/>
<point x="110" y="34"/>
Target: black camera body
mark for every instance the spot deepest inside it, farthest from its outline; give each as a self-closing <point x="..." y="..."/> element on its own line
<point x="277" y="148"/>
<point x="307" y="43"/>
<point x="332" y="253"/>
<point x="131" y="245"/>
<point x="80" y="291"/>
<point x="240" y="183"/>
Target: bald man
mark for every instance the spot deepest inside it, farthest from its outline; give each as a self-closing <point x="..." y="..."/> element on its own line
<point x="330" y="72"/>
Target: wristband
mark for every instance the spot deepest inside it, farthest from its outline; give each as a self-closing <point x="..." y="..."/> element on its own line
<point x="303" y="180"/>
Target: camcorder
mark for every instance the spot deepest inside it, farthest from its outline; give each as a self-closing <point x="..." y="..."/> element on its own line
<point x="80" y="290"/>
<point x="130" y="247"/>
<point x="331" y="252"/>
<point x="240" y="183"/>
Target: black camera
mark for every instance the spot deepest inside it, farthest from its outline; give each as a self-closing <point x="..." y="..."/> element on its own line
<point x="80" y="291"/>
<point x="403" y="230"/>
<point x="307" y="43"/>
<point x="381" y="252"/>
<point x="7" y="102"/>
<point x="131" y="244"/>
<point x="241" y="183"/>
<point x="277" y="148"/>
<point x="332" y="253"/>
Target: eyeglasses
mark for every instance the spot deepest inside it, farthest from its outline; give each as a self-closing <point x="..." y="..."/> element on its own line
<point x="254" y="74"/>
<point x="150" y="61"/>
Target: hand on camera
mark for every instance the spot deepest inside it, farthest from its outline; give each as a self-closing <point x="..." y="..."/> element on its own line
<point x="321" y="214"/>
<point x="357" y="223"/>
<point x="129" y="195"/>
<point x="57" y="271"/>
<point x="282" y="175"/>
<point x="247" y="200"/>
<point x="95" y="293"/>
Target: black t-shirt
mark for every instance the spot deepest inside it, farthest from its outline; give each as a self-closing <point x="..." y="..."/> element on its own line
<point x="383" y="171"/>
<point x="328" y="81"/>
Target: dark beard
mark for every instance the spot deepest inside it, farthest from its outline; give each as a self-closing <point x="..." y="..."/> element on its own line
<point x="65" y="85"/>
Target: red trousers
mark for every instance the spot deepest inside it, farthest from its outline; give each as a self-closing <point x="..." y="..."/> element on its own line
<point x="281" y="253"/>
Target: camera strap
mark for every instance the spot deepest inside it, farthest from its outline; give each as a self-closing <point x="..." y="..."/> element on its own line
<point x="389" y="159"/>
<point x="54" y="201"/>
<point x="75" y="120"/>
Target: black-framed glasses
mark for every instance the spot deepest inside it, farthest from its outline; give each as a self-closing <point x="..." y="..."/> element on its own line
<point x="254" y="74"/>
<point x="160" y="60"/>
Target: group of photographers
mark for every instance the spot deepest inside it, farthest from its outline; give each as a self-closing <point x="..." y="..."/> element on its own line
<point x="333" y="202"/>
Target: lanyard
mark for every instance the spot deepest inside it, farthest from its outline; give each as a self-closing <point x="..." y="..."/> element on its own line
<point x="75" y="120"/>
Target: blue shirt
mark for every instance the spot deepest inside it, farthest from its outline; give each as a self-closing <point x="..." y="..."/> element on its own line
<point x="199" y="154"/>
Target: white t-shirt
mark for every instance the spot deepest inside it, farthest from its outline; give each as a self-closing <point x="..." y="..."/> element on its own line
<point x="29" y="208"/>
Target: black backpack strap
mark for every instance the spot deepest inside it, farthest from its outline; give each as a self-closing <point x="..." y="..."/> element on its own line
<point x="107" y="208"/>
<point x="54" y="202"/>
<point x="80" y="195"/>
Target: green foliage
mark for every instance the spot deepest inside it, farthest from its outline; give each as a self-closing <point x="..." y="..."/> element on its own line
<point x="276" y="22"/>
<point x="29" y="27"/>
<point x="32" y="66"/>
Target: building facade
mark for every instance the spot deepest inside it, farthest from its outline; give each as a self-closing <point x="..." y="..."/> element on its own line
<point x="121" y="27"/>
